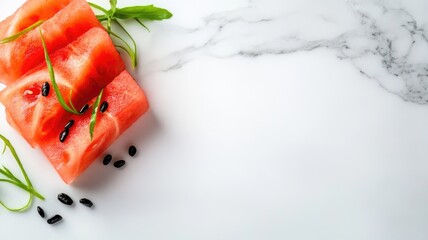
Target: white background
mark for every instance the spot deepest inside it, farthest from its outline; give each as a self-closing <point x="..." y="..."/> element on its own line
<point x="295" y="146"/>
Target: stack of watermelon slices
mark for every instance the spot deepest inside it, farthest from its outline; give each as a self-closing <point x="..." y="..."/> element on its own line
<point x="85" y="62"/>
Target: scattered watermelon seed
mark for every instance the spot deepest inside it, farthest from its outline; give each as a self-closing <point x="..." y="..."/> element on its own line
<point x="41" y="211"/>
<point x="64" y="198"/>
<point x="88" y="203"/>
<point x="104" y="106"/>
<point x="132" y="150"/>
<point x="107" y="159"/>
<point x="54" y="219"/>
<point x="119" y="163"/>
<point x="63" y="135"/>
<point x="45" y="89"/>
<point x="84" y="109"/>
<point x="69" y="124"/>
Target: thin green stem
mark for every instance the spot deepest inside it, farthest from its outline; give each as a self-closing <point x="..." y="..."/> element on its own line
<point x="15" y="155"/>
<point x="24" y="187"/>
<point x="12" y="179"/>
<point x="134" y="62"/>
<point x="142" y="24"/>
<point x="21" y="33"/>
<point x="52" y="77"/>
<point x="98" y="7"/>
<point x="26" y="206"/>
<point x="94" y="114"/>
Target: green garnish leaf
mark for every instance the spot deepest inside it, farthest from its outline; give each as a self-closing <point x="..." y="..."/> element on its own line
<point x="52" y="77"/>
<point x="149" y="12"/>
<point x="71" y="108"/>
<point x="21" y="33"/>
<point x="94" y="114"/>
<point x="12" y="179"/>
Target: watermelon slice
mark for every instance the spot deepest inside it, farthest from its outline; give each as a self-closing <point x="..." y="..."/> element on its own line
<point x="126" y="103"/>
<point x="82" y="69"/>
<point x="30" y="12"/>
<point x="63" y="25"/>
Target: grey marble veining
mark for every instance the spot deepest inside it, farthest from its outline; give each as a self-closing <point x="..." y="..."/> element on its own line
<point x="385" y="43"/>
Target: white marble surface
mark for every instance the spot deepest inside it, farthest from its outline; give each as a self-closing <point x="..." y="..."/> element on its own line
<point x="274" y="119"/>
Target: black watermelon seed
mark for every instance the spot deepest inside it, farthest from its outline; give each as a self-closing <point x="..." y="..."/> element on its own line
<point x="54" y="219"/>
<point x="84" y="109"/>
<point x="41" y="211"/>
<point x="107" y="159"/>
<point x="63" y="135"/>
<point x="86" y="202"/>
<point x="104" y="106"/>
<point x="69" y="124"/>
<point x="132" y="150"/>
<point x="45" y="89"/>
<point x="64" y="198"/>
<point x="119" y="163"/>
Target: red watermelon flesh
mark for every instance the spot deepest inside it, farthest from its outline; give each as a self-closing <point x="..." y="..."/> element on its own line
<point x="126" y="103"/>
<point x="26" y="52"/>
<point x="82" y="69"/>
<point x="30" y="12"/>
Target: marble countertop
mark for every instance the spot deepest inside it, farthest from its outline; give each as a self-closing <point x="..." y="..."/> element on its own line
<point x="320" y="107"/>
<point x="280" y="119"/>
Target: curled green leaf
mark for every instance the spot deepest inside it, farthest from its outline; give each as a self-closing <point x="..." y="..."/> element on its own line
<point x="12" y="179"/>
<point x="20" y="209"/>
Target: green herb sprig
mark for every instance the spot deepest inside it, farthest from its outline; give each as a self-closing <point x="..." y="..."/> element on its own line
<point x="94" y="114"/>
<point x="71" y="108"/>
<point x="136" y="13"/>
<point x="21" y="33"/>
<point x="12" y="179"/>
